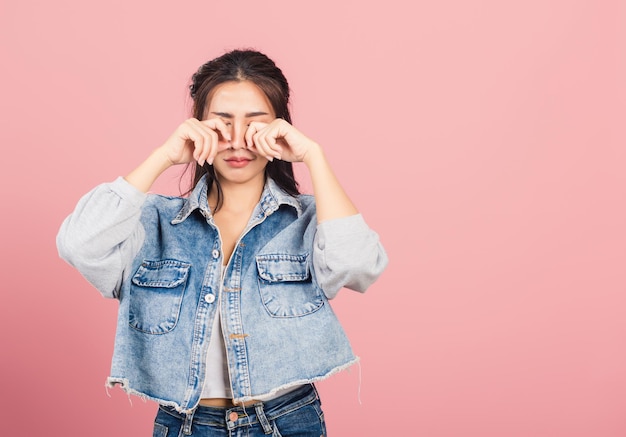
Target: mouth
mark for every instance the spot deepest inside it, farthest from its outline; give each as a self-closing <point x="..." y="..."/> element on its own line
<point x="237" y="161"/>
<point x="239" y="157"/>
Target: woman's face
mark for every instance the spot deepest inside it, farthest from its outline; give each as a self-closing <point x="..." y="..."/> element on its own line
<point x="237" y="104"/>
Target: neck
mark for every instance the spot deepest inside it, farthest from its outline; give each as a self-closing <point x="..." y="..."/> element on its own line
<point x="238" y="198"/>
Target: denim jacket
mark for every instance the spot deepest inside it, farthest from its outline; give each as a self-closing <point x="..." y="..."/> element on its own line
<point x="161" y="257"/>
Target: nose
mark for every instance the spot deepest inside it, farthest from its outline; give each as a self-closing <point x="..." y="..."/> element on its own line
<point x="237" y="134"/>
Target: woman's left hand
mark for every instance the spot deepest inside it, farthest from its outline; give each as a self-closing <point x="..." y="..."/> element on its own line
<point x="278" y="139"/>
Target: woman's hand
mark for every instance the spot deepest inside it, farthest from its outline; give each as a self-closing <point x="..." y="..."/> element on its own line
<point x="196" y="140"/>
<point x="278" y="139"/>
<point x="281" y="140"/>
<point x="192" y="140"/>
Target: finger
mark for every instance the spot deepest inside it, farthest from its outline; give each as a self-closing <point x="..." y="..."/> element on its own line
<point x="261" y="145"/>
<point x="219" y="125"/>
<point x="250" y="131"/>
<point x="194" y="143"/>
<point x="205" y="141"/>
<point x="253" y="144"/>
<point x="271" y="140"/>
<point x="267" y="138"/>
<point x="210" y="129"/>
<point x="253" y="128"/>
<point x="210" y="145"/>
<point x="211" y="148"/>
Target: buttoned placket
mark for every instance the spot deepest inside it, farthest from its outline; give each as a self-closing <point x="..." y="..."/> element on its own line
<point x="232" y="324"/>
<point x="198" y="353"/>
<point x="230" y="320"/>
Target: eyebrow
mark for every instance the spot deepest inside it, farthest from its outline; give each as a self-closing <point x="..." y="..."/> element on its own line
<point x="248" y="115"/>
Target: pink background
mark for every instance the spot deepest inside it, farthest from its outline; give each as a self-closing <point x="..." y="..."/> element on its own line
<point x="483" y="140"/>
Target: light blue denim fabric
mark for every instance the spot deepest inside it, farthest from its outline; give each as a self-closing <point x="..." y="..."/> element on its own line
<point x="161" y="257"/>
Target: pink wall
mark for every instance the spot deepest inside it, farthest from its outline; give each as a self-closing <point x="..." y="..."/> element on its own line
<point x="484" y="140"/>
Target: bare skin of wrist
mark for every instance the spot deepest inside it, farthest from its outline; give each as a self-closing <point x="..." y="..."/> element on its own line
<point x="330" y="198"/>
<point x="148" y="171"/>
<point x="313" y="155"/>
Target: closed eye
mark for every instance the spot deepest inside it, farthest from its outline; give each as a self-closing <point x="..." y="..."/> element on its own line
<point x="248" y="114"/>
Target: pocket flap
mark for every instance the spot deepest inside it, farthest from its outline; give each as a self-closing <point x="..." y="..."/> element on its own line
<point x="164" y="274"/>
<point x="283" y="267"/>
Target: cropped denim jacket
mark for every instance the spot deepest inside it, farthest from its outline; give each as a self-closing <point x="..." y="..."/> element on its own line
<point x="161" y="257"/>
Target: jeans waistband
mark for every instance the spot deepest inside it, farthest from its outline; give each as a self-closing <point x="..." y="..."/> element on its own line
<point x="260" y="412"/>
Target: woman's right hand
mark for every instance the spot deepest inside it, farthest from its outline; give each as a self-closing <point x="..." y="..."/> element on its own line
<point x="196" y="140"/>
<point x="193" y="140"/>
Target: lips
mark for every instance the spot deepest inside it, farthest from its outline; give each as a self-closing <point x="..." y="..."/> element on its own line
<point x="237" y="161"/>
<point x="238" y="158"/>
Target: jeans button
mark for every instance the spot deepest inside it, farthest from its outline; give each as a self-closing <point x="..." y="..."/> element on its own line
<point x="233" y="416"/>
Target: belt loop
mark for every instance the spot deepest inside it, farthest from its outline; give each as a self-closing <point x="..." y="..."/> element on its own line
<point x="317" y="395"/>
<point x="260" y="414"/>
<point x="188" y="422"/>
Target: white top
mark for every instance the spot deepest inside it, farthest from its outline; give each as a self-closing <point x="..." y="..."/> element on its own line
<point x="217" y="382"/>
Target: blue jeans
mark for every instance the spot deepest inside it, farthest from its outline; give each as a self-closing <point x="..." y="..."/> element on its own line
<point x="297" y="413"/>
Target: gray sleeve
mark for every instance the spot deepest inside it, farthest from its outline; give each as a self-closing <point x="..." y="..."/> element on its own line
<point x="103" y="234"/>
<point x="347" y="253"/>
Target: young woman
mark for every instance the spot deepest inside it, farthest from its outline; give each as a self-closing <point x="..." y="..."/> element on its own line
<point x="224" y="317"/>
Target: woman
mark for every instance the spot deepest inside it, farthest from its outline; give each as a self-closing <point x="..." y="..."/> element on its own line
<point x="224" y="317"/>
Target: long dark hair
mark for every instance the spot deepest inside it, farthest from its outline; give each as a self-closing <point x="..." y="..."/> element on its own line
<point x="241" y="65"/>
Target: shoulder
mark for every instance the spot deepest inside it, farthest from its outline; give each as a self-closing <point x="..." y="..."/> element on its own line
<point x="154" y="200"/>
<point x="306" y="201"/>
<point x="165" y="207"/>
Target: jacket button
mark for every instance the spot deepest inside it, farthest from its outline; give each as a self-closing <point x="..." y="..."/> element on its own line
<point x="209" y="298"/>
<point x="215" y="254"/>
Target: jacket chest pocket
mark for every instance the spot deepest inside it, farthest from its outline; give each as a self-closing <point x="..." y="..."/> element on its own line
<point x="285" y="285"/>
<point x="156" y="294"/>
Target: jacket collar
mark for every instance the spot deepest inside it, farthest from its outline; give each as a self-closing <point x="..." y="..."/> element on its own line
<point x="272" y="198"/>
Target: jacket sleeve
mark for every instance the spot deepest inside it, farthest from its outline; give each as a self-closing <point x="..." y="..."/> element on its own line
<point x="347" y="253"/>
<point x="103" y="234"/>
